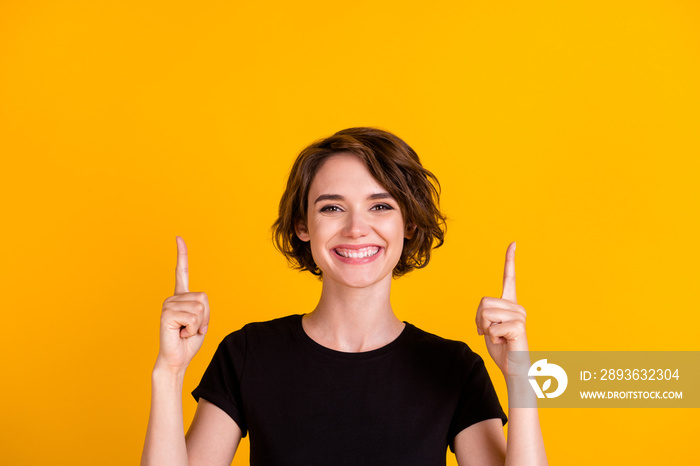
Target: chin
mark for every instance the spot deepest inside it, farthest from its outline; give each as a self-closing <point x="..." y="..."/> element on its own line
<point x="358" y="284"/>
<point x="359" y="281"/>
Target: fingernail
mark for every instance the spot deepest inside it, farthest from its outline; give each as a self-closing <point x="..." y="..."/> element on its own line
<point x="203" y="330"/>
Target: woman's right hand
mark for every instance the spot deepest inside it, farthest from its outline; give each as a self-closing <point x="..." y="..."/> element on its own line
<point x="184" y="320"/>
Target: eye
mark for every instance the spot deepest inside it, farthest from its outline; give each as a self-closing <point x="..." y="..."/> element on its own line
<point x="330" y="208"/>
<point x="382" y="207"/>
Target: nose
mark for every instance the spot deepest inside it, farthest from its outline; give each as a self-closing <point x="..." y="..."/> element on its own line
<point x="356" y="225"/>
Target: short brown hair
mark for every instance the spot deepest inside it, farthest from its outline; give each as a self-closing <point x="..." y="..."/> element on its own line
<point x="395" y="165"/>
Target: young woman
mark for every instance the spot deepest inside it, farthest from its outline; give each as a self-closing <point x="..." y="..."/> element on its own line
<point x="347" y="383"/>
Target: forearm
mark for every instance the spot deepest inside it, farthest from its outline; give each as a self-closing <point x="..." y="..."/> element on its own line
<point x="525" y="445"/>
<point x="165" y="436"/>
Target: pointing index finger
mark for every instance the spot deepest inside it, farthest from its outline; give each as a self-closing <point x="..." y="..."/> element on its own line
<point x="509" y="275"/>
<point x="182" y="277"/>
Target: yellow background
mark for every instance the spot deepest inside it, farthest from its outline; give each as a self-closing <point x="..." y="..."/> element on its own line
<point x="569" y="126"/>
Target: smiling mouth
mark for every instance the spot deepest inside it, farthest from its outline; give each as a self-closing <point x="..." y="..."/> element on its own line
<point x="357" y="253"/>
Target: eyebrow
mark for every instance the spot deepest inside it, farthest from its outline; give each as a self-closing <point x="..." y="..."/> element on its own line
<point x="338" y="197"/>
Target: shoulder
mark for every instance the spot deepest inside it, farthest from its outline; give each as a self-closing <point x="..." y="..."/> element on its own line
<point x="275" y="330"/>
<point x="429" y="340"/>
<point x="445" y="349"/>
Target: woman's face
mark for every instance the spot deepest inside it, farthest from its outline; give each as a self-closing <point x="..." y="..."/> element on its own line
<point x="355" y="228"/>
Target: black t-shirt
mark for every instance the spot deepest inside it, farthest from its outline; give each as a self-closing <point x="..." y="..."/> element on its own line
<point x="305" y="404"/>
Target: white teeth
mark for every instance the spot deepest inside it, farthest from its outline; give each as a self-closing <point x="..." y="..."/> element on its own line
<point x="357" y="253"/>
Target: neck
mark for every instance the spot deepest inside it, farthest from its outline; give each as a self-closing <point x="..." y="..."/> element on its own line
<point x="353" y="319"/>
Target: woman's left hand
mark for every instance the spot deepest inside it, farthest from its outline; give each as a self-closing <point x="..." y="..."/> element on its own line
<point x="502" y="321"/>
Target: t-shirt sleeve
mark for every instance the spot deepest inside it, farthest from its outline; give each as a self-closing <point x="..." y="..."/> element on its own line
<point x="478" y="400"/>
<point x="220" y="383"/>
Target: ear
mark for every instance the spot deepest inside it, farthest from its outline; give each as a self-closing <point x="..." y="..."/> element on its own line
<point x="301" y="231"/>
<point x="410" y="230"/>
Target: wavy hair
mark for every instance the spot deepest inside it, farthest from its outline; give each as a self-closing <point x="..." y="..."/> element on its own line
<point x="395" y="165"/>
